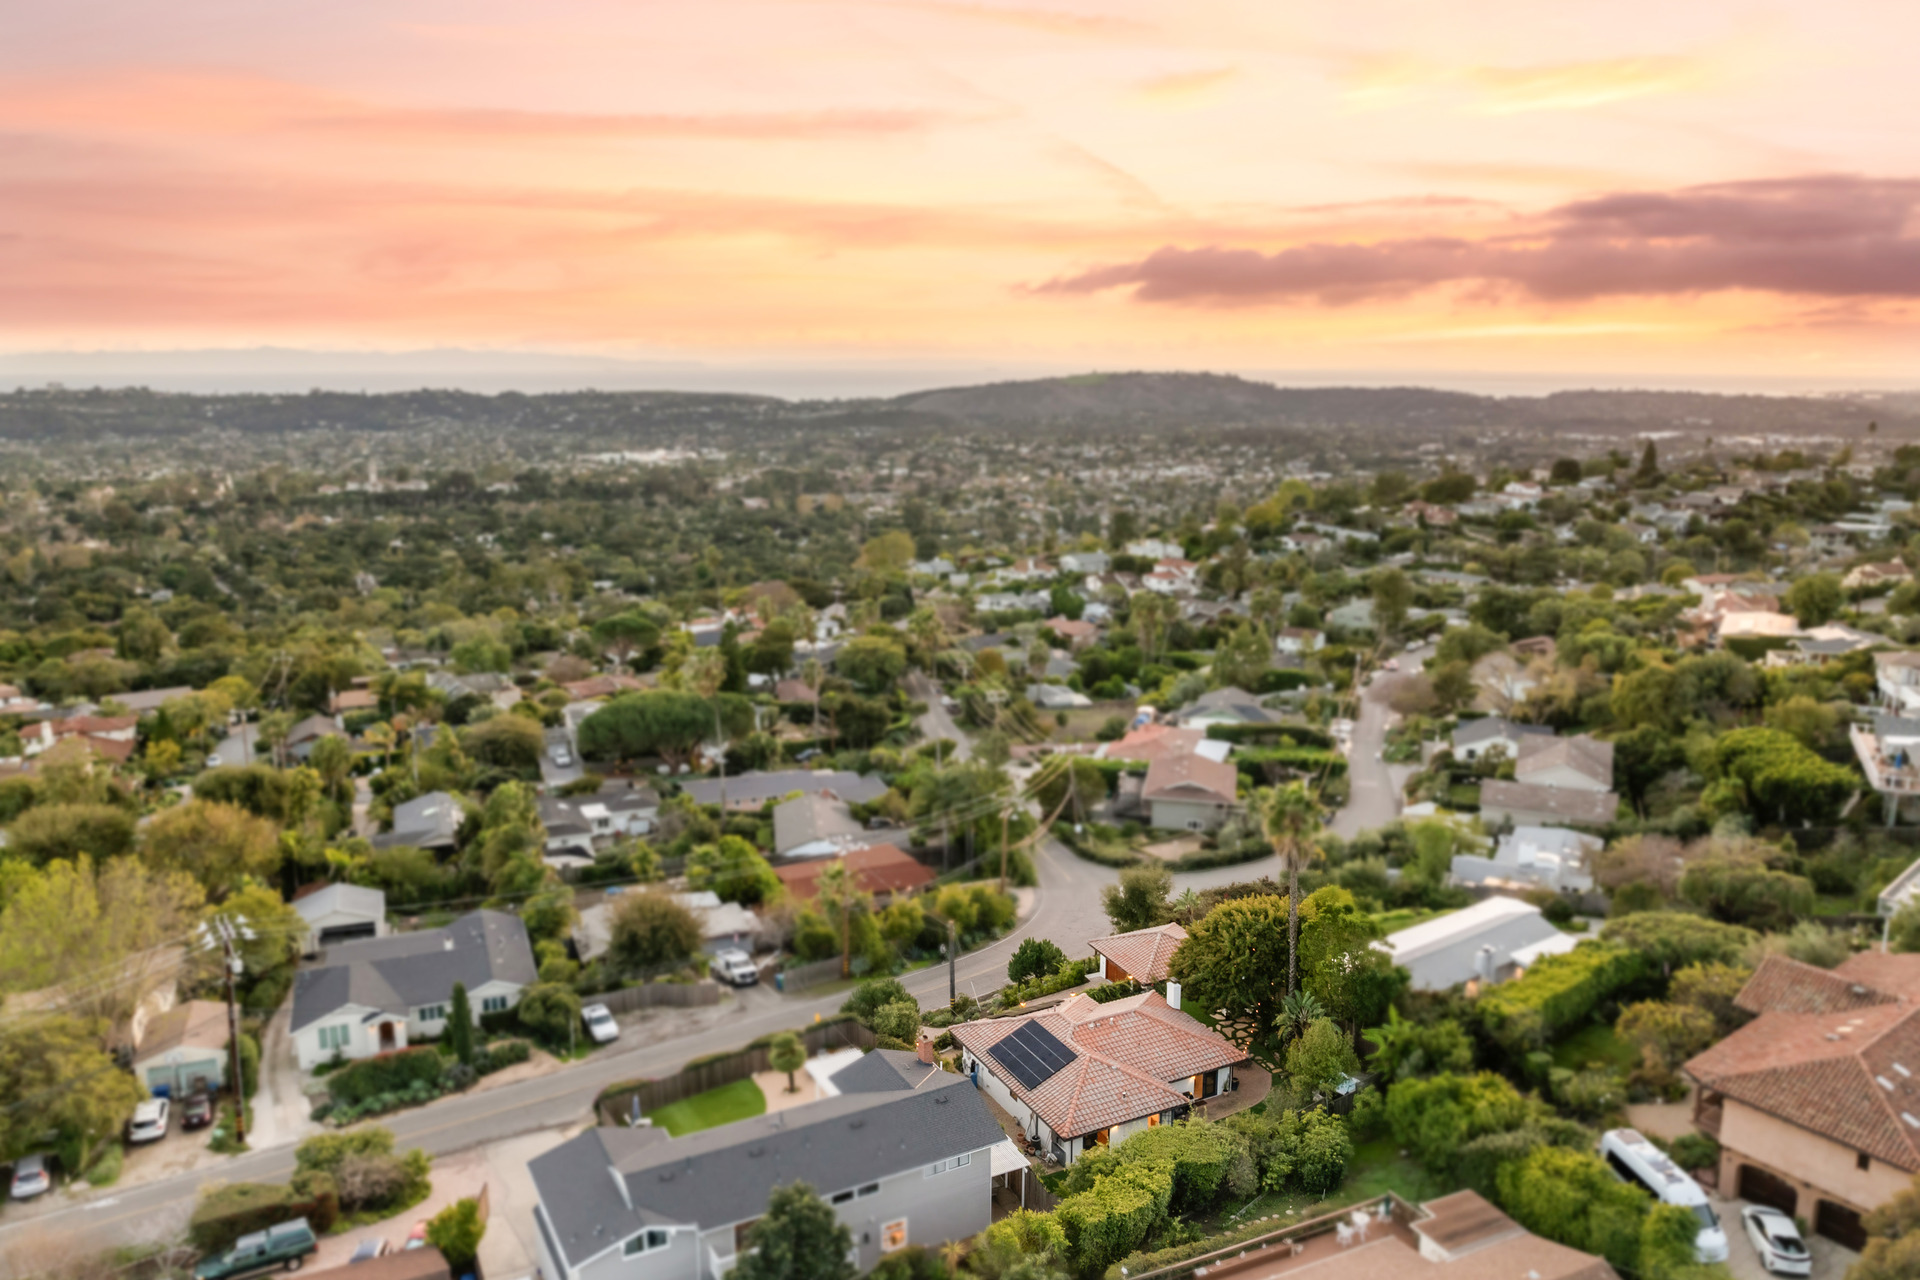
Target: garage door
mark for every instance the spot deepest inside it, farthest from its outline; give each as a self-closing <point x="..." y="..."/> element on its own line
<point x="1766" y="1188"/>
<point x="1839" y="1224"/>
<point x="346" y="932"/>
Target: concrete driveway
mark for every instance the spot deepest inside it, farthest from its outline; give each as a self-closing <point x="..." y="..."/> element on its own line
<point x="282" y="1112"/>
<point x="1830" y="1261"/>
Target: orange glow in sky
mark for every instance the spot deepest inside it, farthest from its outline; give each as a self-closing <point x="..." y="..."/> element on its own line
<point x="1711" y="187"/>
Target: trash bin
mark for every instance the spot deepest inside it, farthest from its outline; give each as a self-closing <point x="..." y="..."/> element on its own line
<point x="779" y="982"/>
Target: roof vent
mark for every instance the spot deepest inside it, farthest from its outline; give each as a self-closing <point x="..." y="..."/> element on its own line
<point x="1885" y="1083"/>
<point x="939" y="1099"/>
<point x="1859" y="990"/>
<point x="1912" y="1122"/>
<point x="1902" y="1070"/>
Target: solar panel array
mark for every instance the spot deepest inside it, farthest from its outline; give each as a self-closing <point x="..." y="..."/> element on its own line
<point x="1032" y="1054"/>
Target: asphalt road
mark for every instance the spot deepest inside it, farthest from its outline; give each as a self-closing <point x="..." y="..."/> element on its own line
<point x="937" y="722"/>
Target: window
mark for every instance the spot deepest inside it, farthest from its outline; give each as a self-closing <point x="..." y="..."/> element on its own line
<point x="433" y="1013"/>
<point x="872" y="1188"/>
<point x="842" y="1197"/>
<point x="893" y="1236"/>
<point x="1863" y="1162"/>
<point x="952" y="1162"/>
<point x="335" y="1037"/>
<point x="493" y="1004"/>
<point x="647" y="1241"/>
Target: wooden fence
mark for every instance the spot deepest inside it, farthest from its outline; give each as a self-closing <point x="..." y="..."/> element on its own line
<point x="615" y="1105"/>
<point x="802" y="976"/>
<point x="648" y="995"/>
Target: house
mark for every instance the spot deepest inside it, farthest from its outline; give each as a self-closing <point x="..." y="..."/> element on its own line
<point x="1142" y="955"/>
<point x="883" y="871"/>
<point x="1532" y="857"/>
<point x="1082" y="1074"/>
<point x="723" y="925"/>
<point x="302" y="736"/>
<point x="184" y="1047"/>
<point x="1862" y="577"/>
<point x="335" y="913"/>
<point x="146" y="700"/>
<point x="1299" y="640"/>
<point x="753" y="790"/>
<point x="569" y="831"/>
<point x="814" y="826"/>
<point x="904" y="1154"/>
<point x="1522" y="804"/>
<point x="1820" y="645"/>
<point x="794" y="691"/>
<point x="1430" y="514"/>
<point x="377" y="995"/>
<point x="1581" y="762"/>
<point x="1189" y="792"/>
<point x="1084" y="562"/>
<point x="1457" y="1237"/>
<point x="1076" y="634"/>
<point x="348" y="701"/>
<point x="1504" y="680"/>
<point x="431" y="821"/>
<point x="1887" y="753"/>
<point x="1155" y="549"/>
<point x="1151" y="742"/>
<point x="1897" y="676"/>
<point x="1354" y="615"/>
<point x="489" y="687"/>
<point x="1486" y="943"/>
<point x="1474" y="738"/>
<point x="1224" y="706"/>
<point x="1815" y="1103"/>
<point x="597" y="688"/>
<point x="108" y="731"/>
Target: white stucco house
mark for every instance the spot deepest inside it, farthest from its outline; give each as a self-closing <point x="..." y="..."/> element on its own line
<point x="336" y="913"/>
<point x="381" y="994"/>
<point x="1488" y="942"/>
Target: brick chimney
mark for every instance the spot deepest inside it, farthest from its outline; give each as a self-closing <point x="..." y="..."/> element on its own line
<point x="926" y="1049"/>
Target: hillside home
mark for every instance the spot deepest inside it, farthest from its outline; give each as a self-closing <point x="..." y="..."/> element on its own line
<point x="724" y="926"/>
<point x="1475" y="738"/>
<point x="1532" y="858"/>
<point x="336" y="913"/>
<point x="905" y="1153"/>
<point x="1299" y="641"/>
<point x="1815" y="1103"/>
<point x="1866" y="577"/>
<point x="1189" y="792"/>
<point x="1083" y="1074"/>
<point x="1897" y="676"/>
<point x="1486" y="943"/>
<point x="752" y="790"/>
<point x="431" y="821"/>
<point x="814" y="826"/>
<point x="883" y="871"/>
<point x="377" y="995"/>
<point x="184" y="1047"/>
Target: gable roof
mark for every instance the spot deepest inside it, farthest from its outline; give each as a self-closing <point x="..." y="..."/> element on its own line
<point x="1830" y="1052"/>
<point x="403" y="971"/>
<point x="1191" y="778"/>
<point x="810" y="817"/>
<point x="195" y="1023"/>
<point x="724" y="1175"/>
<point x="757" y="788"/>
<point x="1128" y="1051"/>
<point x="1590" y="808"/>
<point x="354" y="899"/>
<point x="1448" y="930"/>
<point x="1585" y="755"/>
<point x="876" y="868"/>
<point x="1490" y="728"/>
<point x="424" y="821"/>
<point x="1144" y="953"/>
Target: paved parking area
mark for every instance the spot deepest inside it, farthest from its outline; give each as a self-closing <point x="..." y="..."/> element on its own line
<point x="1830" y="1261"/>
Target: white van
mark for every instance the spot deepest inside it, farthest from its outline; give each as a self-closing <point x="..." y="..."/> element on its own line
<point x="1638" y="1161"/>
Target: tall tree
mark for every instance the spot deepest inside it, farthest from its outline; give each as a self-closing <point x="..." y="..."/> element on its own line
<point x="1231" y="962"/>
<point x="786" y="1053"/>
<point x="460" y="1025"/>
<point x="1291" y="816"/>
<point x="799" y="1237"/>
<point x="220" y="845"/>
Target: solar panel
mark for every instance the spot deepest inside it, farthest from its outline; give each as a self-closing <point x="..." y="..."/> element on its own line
<point x="1032" y="1054"/>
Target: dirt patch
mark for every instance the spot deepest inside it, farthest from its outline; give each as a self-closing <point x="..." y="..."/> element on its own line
<point x="774" y="1085"/>
<point x="1173" y="850"/>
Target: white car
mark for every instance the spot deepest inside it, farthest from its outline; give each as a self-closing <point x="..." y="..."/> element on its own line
<point x="149" y="1123"/>
<point x="600" y="1023"/>
<point x="735" y="968"/>
<point x="1777" y="1241"/>
<point x="30" y="1177"/>
<point x="561" y="755"/>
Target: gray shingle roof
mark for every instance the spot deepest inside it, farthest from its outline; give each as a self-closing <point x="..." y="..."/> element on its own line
<point x="758" y="788"/>
<point x="424" y="822"/>
<point x="403" y="971"/>
<point x="1486" y="730"/>
<point x="724" y="1175"/>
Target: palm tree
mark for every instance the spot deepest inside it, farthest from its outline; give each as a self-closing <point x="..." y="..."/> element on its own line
<point x="841" y="898"/>
<point x="1291" y="816"/>
<point x="786" y="1053"/>
<point x="1298" y="1011"/>
<point x="381" y="735"/>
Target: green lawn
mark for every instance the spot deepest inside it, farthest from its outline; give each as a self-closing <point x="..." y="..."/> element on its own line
<point x="730" y="1102"/>
<point x="1595" y="1042"/>
<point x="1377" y="1168"/>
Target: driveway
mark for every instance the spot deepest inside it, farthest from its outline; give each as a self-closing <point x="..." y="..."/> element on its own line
<point x="937" y="722"/>
<point x="1375" y="799"/>
<point x="281" y="1110"/>
<point x="1830" y="1261"/>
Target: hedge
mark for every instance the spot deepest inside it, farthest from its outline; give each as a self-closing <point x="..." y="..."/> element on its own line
<point x="1111" y="1219"/>
<point x="227" y="1213"/>
<point x="1284" y="680"/>
<point x="1114" y="990"/>
<point x="1557" y="992"/>
<point x="1302" y="735"/>
<point x="1071" y="974"/>
<point x="1305" y="759"/>
<point x="389" y="1073"/>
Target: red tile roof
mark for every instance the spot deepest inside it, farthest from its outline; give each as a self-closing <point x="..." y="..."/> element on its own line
<point x="1134" y="1059"/>
<point x="1829" y="1052"/>
<point x="1190" y="778"/>
<point x="1144" y="953"/>
<point x="879" y="868"/>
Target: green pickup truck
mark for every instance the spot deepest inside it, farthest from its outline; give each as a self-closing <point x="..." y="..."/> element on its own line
<point x="285" y="1244"/>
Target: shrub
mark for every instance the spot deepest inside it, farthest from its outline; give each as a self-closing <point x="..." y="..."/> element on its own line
<point x="456" y="1231"/>
<point x="911" y="1263"/>
<point x="1109" y="991"/>
<point x="1071" y="975"/>
<point x="1035" y="957"/>
<point x="1436" y="1116"/>
<point x="1478" y="1163"/>
<point x="369" y="1181"/>
<point x="504" y="1054"/>
<point x="325" y="1152"/>
<point x="389" y="1073"/>
<point x="1674" y="939"/>
<point x="550" y="1011"/>
<point x="1557" y="992"/>
<point x="871" y="996"/>
<point x="249" y="1065"/>
<point x="1112" y="1218"/>
<point x="899" y="1020"/>
<point x="1695" y="1151"/>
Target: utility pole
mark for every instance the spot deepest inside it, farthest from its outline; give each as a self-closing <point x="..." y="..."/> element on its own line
<point x="221" y="932"/>
<point x="1005" y="815"/>
<point x="953" y="954"/>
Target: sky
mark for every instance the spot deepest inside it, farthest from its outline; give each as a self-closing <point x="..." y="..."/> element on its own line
<point x="1706" y="191"/>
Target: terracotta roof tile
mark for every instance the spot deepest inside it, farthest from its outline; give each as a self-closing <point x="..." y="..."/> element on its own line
<point x="1784" y="985"/>
<point x="1144" y="953"/>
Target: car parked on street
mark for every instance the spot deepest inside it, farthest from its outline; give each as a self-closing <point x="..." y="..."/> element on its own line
<point x="32" y="1176"/>
<point x="284" y="1245"/>
<point x="149" y="1123"/>
<point x="417" y="1238"/>
<point x="196" y="1110"/>
<point x="735" y="968"/>
<point x="600" y="1024"/>
<point x="1777" y="1240"/>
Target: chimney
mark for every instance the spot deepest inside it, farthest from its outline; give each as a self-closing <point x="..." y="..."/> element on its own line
<point x="926" y="1049"/>
<point x="1173" y="994"/>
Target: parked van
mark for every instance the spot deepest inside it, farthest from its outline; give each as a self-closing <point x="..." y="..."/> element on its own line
<point x="1638" y="1161"/>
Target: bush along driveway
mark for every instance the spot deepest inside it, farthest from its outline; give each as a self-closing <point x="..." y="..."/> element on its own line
<point x="410" y="1078"/>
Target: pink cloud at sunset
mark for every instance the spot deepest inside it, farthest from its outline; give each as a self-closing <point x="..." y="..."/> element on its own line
<point x="1712" y="187"/>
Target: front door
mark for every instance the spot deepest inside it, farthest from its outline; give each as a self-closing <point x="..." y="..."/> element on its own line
<point x="386" y="1037"/>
